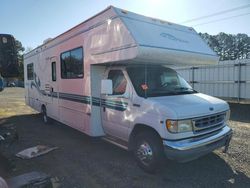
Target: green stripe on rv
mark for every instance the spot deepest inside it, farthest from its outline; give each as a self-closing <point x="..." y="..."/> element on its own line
<point x="116" y="105"/>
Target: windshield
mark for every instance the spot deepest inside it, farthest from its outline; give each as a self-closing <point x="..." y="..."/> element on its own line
<point x="154" y="81"/>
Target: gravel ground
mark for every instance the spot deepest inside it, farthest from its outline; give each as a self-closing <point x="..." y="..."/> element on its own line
<point x="82" y="161"/>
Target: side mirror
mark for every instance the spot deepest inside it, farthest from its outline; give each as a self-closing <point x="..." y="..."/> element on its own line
<point x="106" y="87"/>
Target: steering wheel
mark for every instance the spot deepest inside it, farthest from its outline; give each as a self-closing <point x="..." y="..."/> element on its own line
<point x="164" y="84"/>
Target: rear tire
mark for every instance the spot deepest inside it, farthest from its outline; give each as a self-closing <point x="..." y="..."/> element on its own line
<point x="148" y="151"/>
<point x="45" y="118"/>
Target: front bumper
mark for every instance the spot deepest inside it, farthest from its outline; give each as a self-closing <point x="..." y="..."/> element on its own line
<point x="192" y="148"/>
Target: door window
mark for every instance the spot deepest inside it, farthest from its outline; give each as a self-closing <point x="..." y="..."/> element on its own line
<point x="119" y="82"/>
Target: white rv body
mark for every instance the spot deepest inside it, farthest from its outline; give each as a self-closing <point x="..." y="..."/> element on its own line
<point x="113" y="40"/>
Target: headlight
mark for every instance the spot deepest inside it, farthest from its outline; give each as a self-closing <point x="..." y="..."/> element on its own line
<point x="227" y="115"/>
<point x="175" y="126"/>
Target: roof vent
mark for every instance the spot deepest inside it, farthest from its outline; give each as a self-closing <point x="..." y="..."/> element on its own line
<point x="124" y="12"/>
<point x="47" y="40"/>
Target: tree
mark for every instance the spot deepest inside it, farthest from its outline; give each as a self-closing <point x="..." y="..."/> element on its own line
<point x="19" y="47"/>
<point x="228" y="46"/>
<point x="11" y="57"/>
<point x="19" y="52"/>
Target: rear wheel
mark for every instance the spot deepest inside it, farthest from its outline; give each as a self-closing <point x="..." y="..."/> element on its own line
<point x="45" y="118"/>
<point x="148" y="151"/>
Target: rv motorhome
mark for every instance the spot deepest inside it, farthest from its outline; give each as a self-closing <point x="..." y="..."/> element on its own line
<point x="109" y="77"/>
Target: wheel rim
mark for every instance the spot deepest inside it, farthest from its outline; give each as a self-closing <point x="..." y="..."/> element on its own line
<point x="145" y="153"/>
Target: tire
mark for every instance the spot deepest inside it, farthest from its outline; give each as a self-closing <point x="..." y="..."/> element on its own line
<point x="45" y="118"/>
<point x="148" y="151"/>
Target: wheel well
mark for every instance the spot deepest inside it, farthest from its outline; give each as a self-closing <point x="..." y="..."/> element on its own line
<point x="138" y="128"/>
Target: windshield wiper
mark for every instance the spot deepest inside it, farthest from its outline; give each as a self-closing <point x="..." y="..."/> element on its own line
<point x="185" y="89"/>
<point x="164" y="93"/>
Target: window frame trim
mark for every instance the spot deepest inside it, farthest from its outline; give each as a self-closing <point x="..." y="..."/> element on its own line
<point x="32" y="71"/>
<point x="52" y="78"/>
<point x="79" y="47"/>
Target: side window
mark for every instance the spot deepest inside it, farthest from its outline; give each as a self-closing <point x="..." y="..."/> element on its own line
<point x="53" y="71"/>
<point x="72" y="64"/>
<point x="119" y="82"/>
<point x="30" y="71"/>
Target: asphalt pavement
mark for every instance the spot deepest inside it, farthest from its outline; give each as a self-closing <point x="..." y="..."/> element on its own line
<point x="82" y="161"/>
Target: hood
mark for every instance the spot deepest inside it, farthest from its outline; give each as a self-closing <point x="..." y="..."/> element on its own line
<point x="191" y="105"/>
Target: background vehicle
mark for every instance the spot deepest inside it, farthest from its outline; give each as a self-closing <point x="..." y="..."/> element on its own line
<point x="109" y="77"/>
<point x="12" y="84"/>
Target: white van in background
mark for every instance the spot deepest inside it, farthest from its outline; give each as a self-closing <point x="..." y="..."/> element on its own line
<point x="109" y="77"/>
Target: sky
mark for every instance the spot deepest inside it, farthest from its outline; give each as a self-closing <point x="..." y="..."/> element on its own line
<point x="33" y="21"/>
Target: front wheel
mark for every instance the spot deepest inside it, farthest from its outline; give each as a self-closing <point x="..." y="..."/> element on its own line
<point x="148" y="151"/>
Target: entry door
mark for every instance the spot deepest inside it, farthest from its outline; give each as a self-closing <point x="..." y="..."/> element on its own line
<point x="29" y="93"/>
<point x="52" y="86"/>
<point x="115" y="108"/>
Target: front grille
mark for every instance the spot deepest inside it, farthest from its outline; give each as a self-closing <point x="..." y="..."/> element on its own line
<point x="209" y="122"/>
